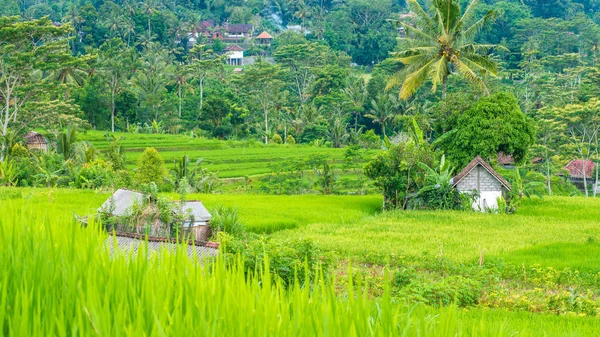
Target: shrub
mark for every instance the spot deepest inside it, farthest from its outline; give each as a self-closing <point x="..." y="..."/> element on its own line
<point x="95" y="174"/>
<point x="226" y="219"/>
<point x="276" y="139"/>
<point x="150" y="168"/>
<point x="290" y="140"/>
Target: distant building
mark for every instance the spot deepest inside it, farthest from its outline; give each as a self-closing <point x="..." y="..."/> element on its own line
<point x="508" y="162"/>
<point x="578" y="169"/>
<point x="264" y="38"/>
<point x="238" y="31"/>
<point x="479" y="176"/>
<point x="235" y="55"/>
<point x="35" y="141"/>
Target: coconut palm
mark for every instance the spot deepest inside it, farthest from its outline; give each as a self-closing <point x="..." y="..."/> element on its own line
<point x="442" y="44"/>
<point x="383" y="110"/>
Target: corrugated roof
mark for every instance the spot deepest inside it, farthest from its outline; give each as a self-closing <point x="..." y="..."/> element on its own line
<point x="131" y="245"/>
<point x="264" y="35"/>
<point x="122" y="200"/>
<point x="477" y="162"/>
<point x="198" y="210"/>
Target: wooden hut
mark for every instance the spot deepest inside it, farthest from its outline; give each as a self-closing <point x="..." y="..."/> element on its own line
<point x="35" y="141"/>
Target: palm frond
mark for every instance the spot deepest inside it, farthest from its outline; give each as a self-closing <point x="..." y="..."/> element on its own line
<point x="440" y="70"/>
<point x="415" y="80"/>
<point x="469" y="11"/>
<point x="475" y="28"/>
<point x="421" y="14"/>
<point x="483" y="63"/>
<point x="417" y="31"/>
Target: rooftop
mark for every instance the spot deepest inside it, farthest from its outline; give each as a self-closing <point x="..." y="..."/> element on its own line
<point x="478" y="161"/>
<point x="575" y="168"/>
<point x="264" y="35"/>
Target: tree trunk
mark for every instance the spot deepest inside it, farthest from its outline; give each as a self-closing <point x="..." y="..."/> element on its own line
<point x="179" y="94"/>
<point x="284" y="133"/>
<point x="596" y="182"/>
<point x="266" y="126"/>
<point x="548" y="177"/>
<point x="201" y="92"/>
<point x="149" y="29"/>
<point x="112" y="110"/>
<point x="584" y="171"/>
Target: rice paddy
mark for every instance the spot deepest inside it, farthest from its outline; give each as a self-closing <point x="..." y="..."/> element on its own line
<point x="58" y="279"/>
<point x="231" y="159"/>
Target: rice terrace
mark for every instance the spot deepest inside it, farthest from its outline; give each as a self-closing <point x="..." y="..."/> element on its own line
<point x="300" y="168"/>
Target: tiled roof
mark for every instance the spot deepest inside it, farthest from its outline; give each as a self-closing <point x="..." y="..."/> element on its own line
<point x="234" y="47"/>
<point x="264" y="35"/>
<point x="575" y="168"/>
<point x="239" y="28"/>
<point x="473" y="164"/>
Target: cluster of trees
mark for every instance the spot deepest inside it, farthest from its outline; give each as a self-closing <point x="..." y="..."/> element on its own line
<point x="126" y="65"/>
<point x="78" y="164"/>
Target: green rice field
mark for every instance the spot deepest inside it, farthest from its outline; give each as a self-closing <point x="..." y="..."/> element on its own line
<point x="58" y="279"/>
<point x="231" y="159"/>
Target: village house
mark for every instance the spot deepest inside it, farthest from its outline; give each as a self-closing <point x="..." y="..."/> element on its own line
<point x="236" y="32"/>
<point x="235" y="55"/>
<point x="35" y="141"/>
<point x="480" y="177"/>
<point x="578" y="169"/>
<point x="122" y="201"/>
<point x="264" y="38"/>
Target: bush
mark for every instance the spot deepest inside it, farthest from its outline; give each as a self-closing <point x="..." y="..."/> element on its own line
<point x="290" y="140"/>
<point x="95" y="174"/>
<point x="276" y="139"/>
<point x="150" y="168"/>
<point x="226" y="219"/>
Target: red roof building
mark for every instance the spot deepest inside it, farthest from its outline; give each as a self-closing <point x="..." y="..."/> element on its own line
<point x="576" y="169"/>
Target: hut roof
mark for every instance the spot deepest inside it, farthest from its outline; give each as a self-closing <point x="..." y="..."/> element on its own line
<point x="478" y="161"/>
<point x="122" y="200"/>
<point x="264" y="35"/>
<point x="575" y="168"/>
<point x="198" y="211"/>
<point x="35" y="138"/>
<point x="234" y="47"/>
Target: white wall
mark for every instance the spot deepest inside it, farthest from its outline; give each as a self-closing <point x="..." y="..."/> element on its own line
<point x="487" y="200"/>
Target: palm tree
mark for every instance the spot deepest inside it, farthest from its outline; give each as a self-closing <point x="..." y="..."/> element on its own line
<point x="383" y="110"/>
<point x="150" y="7"/>
<point x="442" y="44"/>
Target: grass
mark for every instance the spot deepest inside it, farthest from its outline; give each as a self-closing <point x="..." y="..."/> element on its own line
<point x="462" y="236"/>
<point x="58" y="279"/>
<point x="231" y="159"/>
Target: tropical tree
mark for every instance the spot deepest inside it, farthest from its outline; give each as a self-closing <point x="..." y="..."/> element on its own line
<point x="442" y="44"/>
<point x="383" y="110"/>
<point x="29" y="52"/>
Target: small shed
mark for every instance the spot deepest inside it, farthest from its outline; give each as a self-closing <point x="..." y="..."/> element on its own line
<point x="264" y="38"/>
<point x="35" y="141"/>
<point x="479" y="176"/>
<point x="235" y="55"/>
<point x="121" y="202"/>
<point x="200" y="217"/>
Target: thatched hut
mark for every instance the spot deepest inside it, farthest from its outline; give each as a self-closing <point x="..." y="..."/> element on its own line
<point x="35" y="141"/>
